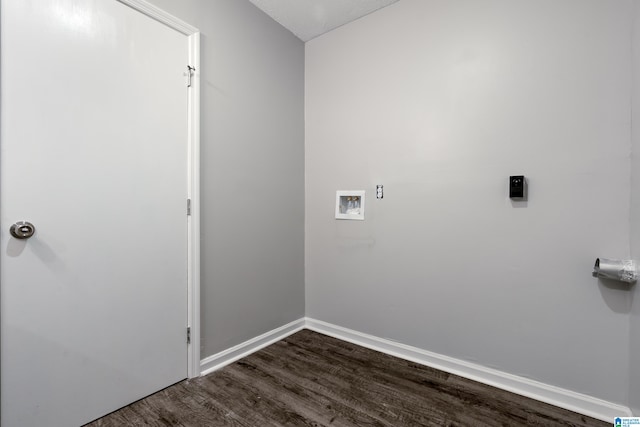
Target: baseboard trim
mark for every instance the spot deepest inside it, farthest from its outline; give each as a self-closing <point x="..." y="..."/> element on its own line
<point x="567" y="399"/>
<point x="226" y="357"/>
<point x="553" y="395"/>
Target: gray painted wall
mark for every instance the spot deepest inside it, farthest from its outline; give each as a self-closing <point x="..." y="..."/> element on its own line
<point x="440" y="102"/>
<point x="252" y="170"/>
<point x="634" y="363"/>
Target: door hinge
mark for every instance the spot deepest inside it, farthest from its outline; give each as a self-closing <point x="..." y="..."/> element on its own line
<point x="188" y="207"/>
<point x="188" y="334"/>
<point x="190" y="71"/>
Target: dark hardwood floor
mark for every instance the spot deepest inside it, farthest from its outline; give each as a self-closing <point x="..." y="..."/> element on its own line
<point x="309" y="379"/>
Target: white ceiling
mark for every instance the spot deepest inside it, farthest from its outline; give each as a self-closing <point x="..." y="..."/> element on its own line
<point x="310" y="18"/>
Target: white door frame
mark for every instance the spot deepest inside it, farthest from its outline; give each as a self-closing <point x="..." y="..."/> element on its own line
<point x="193" y="169"/>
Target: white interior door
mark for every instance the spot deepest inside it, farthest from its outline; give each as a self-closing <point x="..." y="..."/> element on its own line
<point x="94" y="154"/>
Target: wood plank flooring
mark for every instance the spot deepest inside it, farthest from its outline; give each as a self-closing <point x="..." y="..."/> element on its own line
<point x="309" y="379"/>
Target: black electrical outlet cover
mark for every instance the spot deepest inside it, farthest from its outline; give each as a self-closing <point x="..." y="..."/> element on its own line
<point x="517" y="186"/>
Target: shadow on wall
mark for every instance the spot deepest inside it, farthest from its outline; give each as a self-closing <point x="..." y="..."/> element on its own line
<point x="519" y="204"/>
<point x="616" y="294"/>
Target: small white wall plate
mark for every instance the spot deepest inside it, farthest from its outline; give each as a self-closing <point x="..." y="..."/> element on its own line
<point x="350" y="205"/>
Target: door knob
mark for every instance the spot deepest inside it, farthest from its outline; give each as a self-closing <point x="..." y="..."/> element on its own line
<point x="22" y="230"/>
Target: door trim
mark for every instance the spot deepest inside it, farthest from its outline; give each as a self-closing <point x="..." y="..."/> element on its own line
<point x="160" y="15"/>
<point x="193" y="169"/>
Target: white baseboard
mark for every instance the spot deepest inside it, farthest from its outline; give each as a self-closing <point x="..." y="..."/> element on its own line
<point x="553" y="395"/>
<point x="226" y="357"/>
<point x="583" y="404"/>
